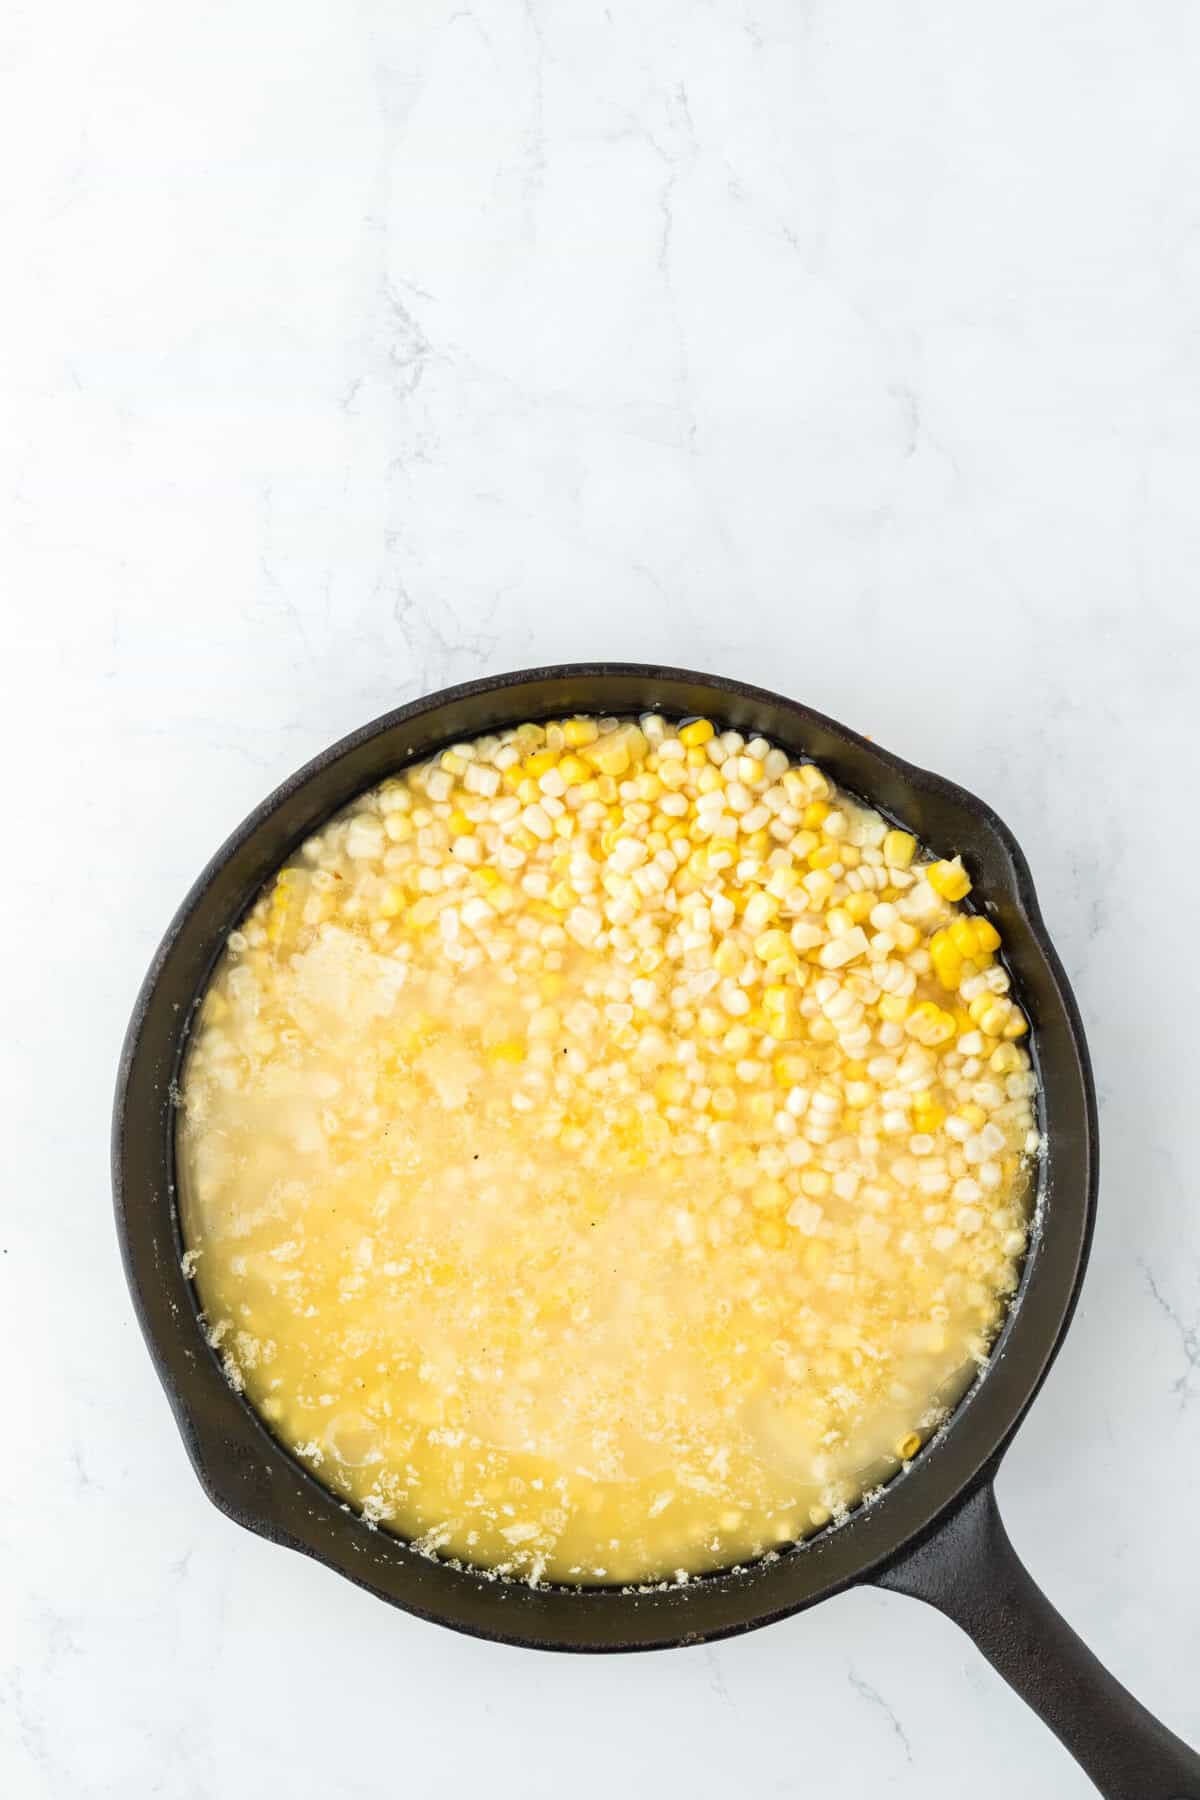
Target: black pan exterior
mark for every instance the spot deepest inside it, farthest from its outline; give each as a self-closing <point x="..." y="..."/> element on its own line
<point x="253" y="1479"/>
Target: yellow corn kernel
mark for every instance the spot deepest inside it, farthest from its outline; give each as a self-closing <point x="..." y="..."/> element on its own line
<point x="486" y="878"/>
<point x="460" y="825"/>
<point x="929" y="1118"/>
<point x="908" y="1446"/>
<point x="422" y="912"/>
<point x="961" y="934"/>
<point x="987" y="938"/>
<point x="974" y="1115"/>
<point x="696" y="732"/>
<point x="579" y="731"/>
<point x="391" y="901"/>
<point x="696" y="759"/>
<point x="899" y="848"/>
<point x="573" y="770"/>
<point x="815" y="814"/>
<point x="789" y="1070"/>
<point x="769" y="946"/>
<point x="564" y="826"/>
<point x="540" y="763"/>
<point x="606" y="789"/>
<point x="671" y="1088"/>
<point x="453" y="763"/>
<point x="859" y="906"/>
<point x="550" y="985"/>
<point x="709" y="780"/>
<point x="894" y="1008"/>
<point x="824" y="856"/>
<point x="610" y="755"/>
<point x="502" y="897"/>
<point x="779" y="1010"/>
<point x="947" y="964"/>
<point x="949" y="879"/>
<point x="528" y="791"/>
<point x="729" y="960"/>
<point x="929" y="1024"/>
<point x="1017" y="1025"/>
<point x="509" y="1050"/>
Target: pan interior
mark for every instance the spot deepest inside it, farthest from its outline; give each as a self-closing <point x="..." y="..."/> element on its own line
<point x="337" y="1446"/>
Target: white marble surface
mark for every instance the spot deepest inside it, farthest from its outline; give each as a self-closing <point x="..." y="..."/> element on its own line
<point x="352" y="348"/>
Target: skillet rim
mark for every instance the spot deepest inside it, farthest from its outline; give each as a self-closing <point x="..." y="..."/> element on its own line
<point x="249" y="1475"/>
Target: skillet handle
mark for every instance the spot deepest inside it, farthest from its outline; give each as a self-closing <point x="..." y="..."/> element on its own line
<point x="968" y="1569"/>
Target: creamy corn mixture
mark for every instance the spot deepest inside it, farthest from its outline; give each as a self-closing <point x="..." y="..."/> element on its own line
<point x="604" y="1150"/>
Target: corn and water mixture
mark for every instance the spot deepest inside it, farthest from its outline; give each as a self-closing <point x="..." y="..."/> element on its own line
<point x="605" y="1150"/>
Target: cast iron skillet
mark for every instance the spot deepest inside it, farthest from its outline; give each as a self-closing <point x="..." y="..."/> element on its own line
<point x="936" y="1533"/>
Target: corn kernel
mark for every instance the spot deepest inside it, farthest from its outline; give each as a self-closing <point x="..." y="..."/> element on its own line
<point x="729" y="959"/>
<point x="696" y="732"/>
<point x="949" y="879"/>
<point x="947" y="964"/>
<point x="899" y="848"/>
